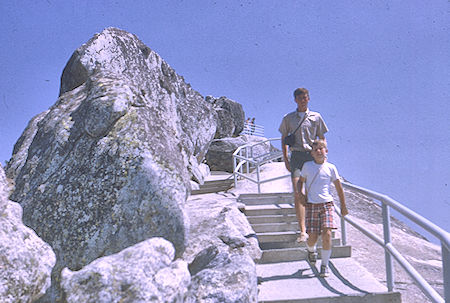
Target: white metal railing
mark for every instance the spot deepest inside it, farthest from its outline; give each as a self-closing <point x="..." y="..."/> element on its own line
<point x="242" y="157"/>
<point x="253" y="129"/>
<point x="391" y="251"/>
<point x="245" y="158"/>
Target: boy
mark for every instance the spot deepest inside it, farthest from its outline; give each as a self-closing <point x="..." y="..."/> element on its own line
<point x="318" y="176"/>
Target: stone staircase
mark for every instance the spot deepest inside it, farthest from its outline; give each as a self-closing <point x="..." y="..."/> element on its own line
<point x="284" y="275"/>
<point x="218" y="181"/>
<point x="272" y="217"/>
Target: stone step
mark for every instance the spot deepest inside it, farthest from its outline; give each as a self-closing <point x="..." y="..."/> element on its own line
<point x="282" y="236"/>
<point x="275" y="211"/>
<point x="298" y="282"/>
<point x="252" y="198"/>
<point x="213" y="187"/>
<point x="281" y="199"/>
<point x="278" y="227"/>
<point x="275" y="227"/>
<point x="272" y="219"/>
<point x="218" y="182"/>
<point x="293" y="244"/>
<point x="298" y="254"/>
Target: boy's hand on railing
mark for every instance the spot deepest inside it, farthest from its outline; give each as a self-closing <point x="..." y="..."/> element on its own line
<point x="344" y="210"/>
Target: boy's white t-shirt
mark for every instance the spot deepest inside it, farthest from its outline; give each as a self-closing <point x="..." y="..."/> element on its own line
<point x="319" y="191"/>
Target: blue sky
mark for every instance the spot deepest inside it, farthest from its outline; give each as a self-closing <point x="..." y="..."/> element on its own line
<point x="378" y="72"/>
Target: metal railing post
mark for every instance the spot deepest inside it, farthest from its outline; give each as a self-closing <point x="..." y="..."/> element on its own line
<point x="247" y="165"/>
<point x="446" y="271"/>
<point x="234" y="170"/>
<point x="387" y="240"/>
<point x="343" y="231"/>
<point x="257" y="178"/>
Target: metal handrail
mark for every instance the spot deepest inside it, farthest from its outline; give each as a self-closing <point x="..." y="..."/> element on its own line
<point x="386" y="201"/>
<point x="244" y="155"/>
<point x="391" y="251"/>
<point x="253" y="129"/>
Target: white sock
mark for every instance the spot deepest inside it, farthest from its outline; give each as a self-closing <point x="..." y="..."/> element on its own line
<point x="311" y="248"/>
<point x="326" y="254"/>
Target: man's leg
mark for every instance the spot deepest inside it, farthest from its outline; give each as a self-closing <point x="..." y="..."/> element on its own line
<point x="299" y="207"/>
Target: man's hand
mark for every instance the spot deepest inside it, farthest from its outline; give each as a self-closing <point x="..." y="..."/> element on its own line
<point x="288" y="166"/>
<point x="301" y="198"/>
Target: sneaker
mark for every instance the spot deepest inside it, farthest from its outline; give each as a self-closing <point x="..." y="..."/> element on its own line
<point x="303" y="237"/>
<point x="312" y="257"/>
<point x="324" y="272"/>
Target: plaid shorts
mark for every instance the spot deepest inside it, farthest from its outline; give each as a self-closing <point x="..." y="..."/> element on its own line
<point x="319" y="216"/>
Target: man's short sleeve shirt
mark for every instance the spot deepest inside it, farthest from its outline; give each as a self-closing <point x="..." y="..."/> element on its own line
<point x="311" y="128"/>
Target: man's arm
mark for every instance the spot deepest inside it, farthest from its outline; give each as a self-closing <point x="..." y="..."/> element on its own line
<point x="300" y="183"/>
<point x="284" y="148"/>
<point x="340" y="192"/>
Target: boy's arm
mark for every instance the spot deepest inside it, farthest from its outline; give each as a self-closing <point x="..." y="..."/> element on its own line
<point x="340" y="192"/>
<point x="300" y="183"/>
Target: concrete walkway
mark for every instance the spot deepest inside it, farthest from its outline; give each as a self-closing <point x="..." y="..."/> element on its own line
<point x="300" y="282"/>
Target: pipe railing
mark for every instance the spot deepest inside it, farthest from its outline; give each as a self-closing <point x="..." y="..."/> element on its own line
<point x="253" y="129"/>
<point x="241" y="157"/>
<point x="391" y="251"/>
<point x="246" y="157"/>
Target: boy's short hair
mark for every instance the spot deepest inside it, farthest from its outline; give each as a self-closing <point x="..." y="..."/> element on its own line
<point x="301" y="92"/>
<point x="320" y="143"/>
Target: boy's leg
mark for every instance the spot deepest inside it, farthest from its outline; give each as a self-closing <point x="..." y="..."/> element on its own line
<point x="326" y="246"/>
<point x="326" y="252"/>
<point x="327" y="225"/>
<point x="313" y="229"/>
<point x="326" y="238"/>
<point x="311" y="247"/>
<point x="312" y="240"/>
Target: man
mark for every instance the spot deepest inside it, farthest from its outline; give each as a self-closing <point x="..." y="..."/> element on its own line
<point x="306" y="126"/>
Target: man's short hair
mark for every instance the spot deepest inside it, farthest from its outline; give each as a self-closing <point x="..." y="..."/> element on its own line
<point x="320" y="143"/>
<point x="301" y="92"/>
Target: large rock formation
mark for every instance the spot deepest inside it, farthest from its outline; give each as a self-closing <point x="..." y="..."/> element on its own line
<point x="221" y="251"/>
<point x="230" y="117"/>
<point x="25" y="260"/>
<point x="220" y="153"/>
<point x="145" y="272"/>
<point x="20" y="150"/>
<point x="109" y="164"/>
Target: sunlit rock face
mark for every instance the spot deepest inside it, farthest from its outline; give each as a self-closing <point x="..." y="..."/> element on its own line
<point x="221" y="251"/>
<point x="108" y="165"/>
<point x="230" y="117"/>
<point x="144" y="272"/>
<point x="26" y="261"/>
<point x="220" y="153"/>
